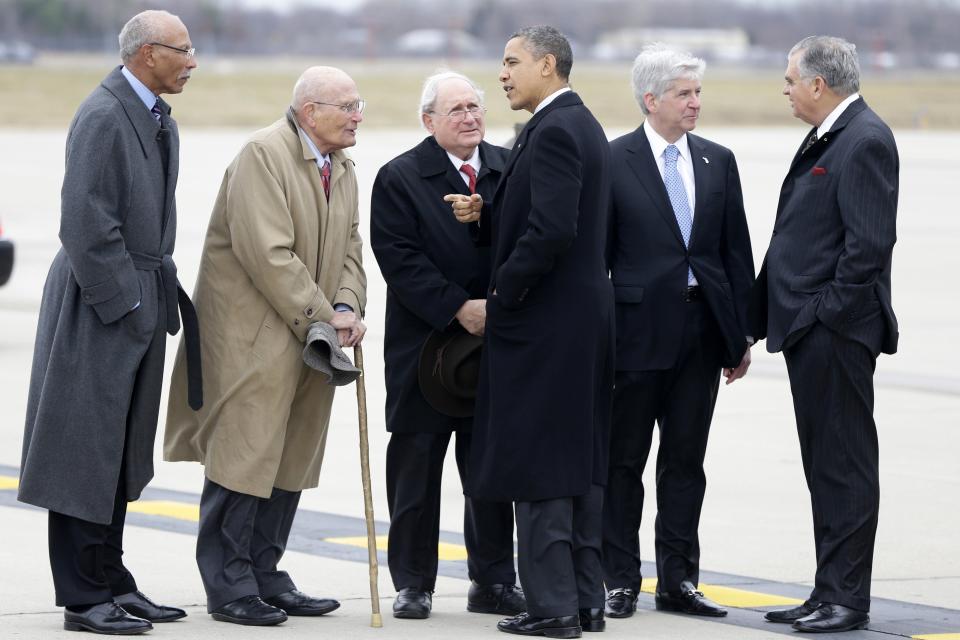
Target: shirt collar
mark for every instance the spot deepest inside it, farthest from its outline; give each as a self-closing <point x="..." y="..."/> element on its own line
<point x="658" y="145"/>
<point x="145" y="95"/>
<point x="550" y="98"/>
<point x="831" y="119"/>
<point x="321" y="159"/>
<point x="473" y="160"/>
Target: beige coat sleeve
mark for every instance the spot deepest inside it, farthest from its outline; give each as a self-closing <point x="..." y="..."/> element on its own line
<point x="262" y="232"/>
<point x="353" y="280"/>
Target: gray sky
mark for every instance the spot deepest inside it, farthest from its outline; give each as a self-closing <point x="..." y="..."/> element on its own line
<point x="345" y="5"/>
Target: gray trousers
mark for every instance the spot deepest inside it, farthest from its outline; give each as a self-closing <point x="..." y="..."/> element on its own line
<point x="558" y="554"/>
<point x="240" y="541"/>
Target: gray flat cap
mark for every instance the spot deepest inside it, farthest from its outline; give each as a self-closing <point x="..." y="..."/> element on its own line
<point x="323" y="354"/>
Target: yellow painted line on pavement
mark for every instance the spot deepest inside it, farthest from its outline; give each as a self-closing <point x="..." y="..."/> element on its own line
<point x="446" y="550"/>
<point x="730" y="597"/>
<point x="166" y="508"/>
<point x="937" y="636"/>
<point x="9" y="482"/>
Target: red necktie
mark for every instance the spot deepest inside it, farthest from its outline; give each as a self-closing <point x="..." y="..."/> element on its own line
<point x="325" y="178"/>
<point x="472" y="175"/>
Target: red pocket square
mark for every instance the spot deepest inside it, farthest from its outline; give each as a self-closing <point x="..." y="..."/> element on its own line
<point x="819" y="171"/>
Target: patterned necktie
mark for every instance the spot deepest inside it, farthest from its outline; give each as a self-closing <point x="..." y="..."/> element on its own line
<point x="156" y="110"/>
<point x="471" y="173"/>
<point x="678" y="197"/>
<point x="812" y="140"/>
<point x="325" y="178"/>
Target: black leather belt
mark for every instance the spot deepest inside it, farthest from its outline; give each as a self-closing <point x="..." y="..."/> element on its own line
<point x="176" y="297"/>
<point x="691" y="294"/>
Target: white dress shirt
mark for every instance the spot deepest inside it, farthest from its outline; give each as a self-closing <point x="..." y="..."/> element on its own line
<point x="684" y="162"/>
<point x="550" y="98"/>
<point x="684" y="165"/>
<point x="473" y="161"/>
<point x="831" y="119"/>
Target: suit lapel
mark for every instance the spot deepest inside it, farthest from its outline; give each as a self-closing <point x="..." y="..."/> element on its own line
<point x="643" y="165"/>
<point x="701" y="181"/>
<point x="144" y="124"/>
<point x="566" y="99"/>
<point x="173" y="163"/>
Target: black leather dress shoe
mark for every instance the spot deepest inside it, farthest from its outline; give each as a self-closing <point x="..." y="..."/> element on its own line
<point x="505" y="599"/>
<point x="251" y="611"/>
<point x="621" y="603"/>
<point x="137" y="604"/>
<point x="297" y="603"/>
<point x="789" y="616"/>
<point x="592" y="620"/>
<point x="108" y="618"/>
<point x="526" y="625"/>
<point x="689" y="600"/>
<point x="830" y="618"/>
<point x="413" y="604"/>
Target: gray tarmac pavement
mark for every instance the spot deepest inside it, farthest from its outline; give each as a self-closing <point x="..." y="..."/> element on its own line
<point x="756" y="517"/>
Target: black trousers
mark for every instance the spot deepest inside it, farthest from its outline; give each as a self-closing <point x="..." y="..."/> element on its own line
<point x="87" y="557"/>
<point x="414" y="470"/>
<point x="559" y="546"/>
<point x="681" y="400"/>
<point x="240" y="542"/>
<point x="831" y="378"/>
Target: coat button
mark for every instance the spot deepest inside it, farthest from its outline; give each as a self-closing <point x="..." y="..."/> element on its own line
<point x="310" y="312"/>
<point x="296" y="321"/>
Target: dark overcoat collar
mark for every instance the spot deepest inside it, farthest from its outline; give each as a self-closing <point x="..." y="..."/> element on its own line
<point x="432" y="160"/>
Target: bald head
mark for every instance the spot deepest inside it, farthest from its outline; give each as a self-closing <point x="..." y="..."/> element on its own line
<point x="319" y="84"/>
<point x="328" y="108"/>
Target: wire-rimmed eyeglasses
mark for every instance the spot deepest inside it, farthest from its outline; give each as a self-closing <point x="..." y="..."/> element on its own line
<point x="459" y="115"/>
<point x="350" y="109"/>
<point x="191" y="52"/>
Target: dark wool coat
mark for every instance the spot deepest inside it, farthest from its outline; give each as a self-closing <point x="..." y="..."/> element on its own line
<point x="97" y="365"/>
<point x="431" y="267"/>
<point x="542" y="424"/>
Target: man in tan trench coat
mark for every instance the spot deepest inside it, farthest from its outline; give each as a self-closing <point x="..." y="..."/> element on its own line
<point x="282" y="251"/>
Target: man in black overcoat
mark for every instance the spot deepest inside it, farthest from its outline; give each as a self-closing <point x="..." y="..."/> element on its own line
<point x="110" y="298"/>
<point x="436" y="282"/>
<point x="543" y="411"/>
<point x="823" y="299"/>
<point x="682" y="268"/>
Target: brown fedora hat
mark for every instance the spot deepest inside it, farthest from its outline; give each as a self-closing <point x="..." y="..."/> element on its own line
<point x="449" y="370"/>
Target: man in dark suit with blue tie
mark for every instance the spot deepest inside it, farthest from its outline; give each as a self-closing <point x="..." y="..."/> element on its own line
<point x="542" y="424"/>
<point x="823" y="298"/>
<point x="680" y="260"/>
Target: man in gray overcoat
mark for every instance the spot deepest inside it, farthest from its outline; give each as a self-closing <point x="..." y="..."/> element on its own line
<point x="110" y="297"/>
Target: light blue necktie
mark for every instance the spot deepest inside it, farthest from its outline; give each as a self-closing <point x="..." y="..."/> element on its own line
<point x="678" y="198"/>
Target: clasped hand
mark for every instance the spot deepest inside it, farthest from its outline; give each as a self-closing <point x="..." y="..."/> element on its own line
<point x="350" y="328"/>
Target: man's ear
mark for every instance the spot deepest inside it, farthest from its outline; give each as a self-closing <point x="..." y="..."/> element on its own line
<point x="549" y="65"/>
<point x="427" y="120"/>
<point x="650" y="102"/>
<point x="146" y="54"/>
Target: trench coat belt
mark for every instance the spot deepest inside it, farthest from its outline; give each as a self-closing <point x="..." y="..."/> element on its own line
<point x="176" y="297"/>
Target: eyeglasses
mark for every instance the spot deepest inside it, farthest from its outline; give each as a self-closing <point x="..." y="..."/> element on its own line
<point x="459" y="115"/>
<point x="350" y="109"/>
<point x="191" y="52"/>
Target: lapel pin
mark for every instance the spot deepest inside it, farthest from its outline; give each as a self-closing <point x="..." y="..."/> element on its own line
<point x="706" y="160"/>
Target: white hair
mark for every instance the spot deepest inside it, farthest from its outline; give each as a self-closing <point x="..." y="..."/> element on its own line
<point x="658" y="67"/>
<point x="431" y="88"/>
<point x="141" y="29"/>
<point x="833" y="59"/>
